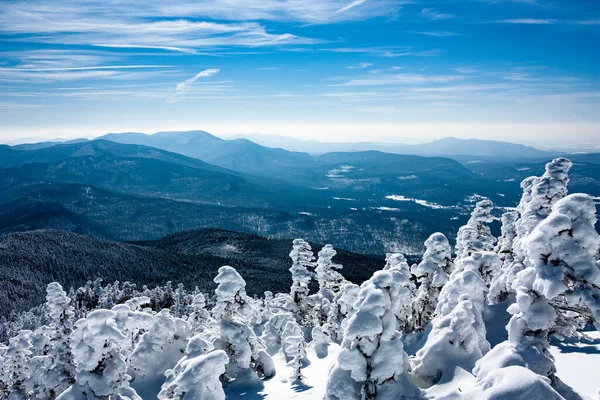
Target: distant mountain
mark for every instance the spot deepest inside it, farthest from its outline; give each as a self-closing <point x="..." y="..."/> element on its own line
<point x="31" y="260"/>
<point x="364" y="176"/>
<point x="238" y="154"/>
<point x="146" y="171"/>
<point x="476" y="147"/>
<point x="448" y="147"/>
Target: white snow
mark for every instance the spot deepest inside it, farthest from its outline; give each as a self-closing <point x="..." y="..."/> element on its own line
<point x="424" y="203"/>
<point x="578" y="363"/>
<point x="282" y="387"/>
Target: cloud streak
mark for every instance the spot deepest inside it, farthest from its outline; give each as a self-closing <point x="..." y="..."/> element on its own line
<point x="207" y="73"/>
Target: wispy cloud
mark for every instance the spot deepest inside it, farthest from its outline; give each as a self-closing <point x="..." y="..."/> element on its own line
<point x="207" y="73"/>
<point x="432" y="15"/>
<point x="360" y="65"/>
<point x="466" y="70"/>
<point x="436" y="33"/>
<point x="398" y="79"/>
<point x="355" y="3"/>
<point x="528" y="21"/>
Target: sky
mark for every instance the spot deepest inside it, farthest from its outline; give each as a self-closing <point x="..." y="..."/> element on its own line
<point x="338" y="70"/>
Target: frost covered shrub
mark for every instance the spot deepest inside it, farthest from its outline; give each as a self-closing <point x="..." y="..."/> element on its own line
<point x="273" y="331"/>
<point x="372" y="363"/>
<point x="302" y="259"/>
<point x="457" y="339"/>
<point x="234" y="310"/>
<point x="513" y="382"/>
<point x="476" y="234"/>
<point x="196" y="375"/>
<point x="431" y="275"/>
<point x="159" y="348"/>
<point x="98" y="348"/>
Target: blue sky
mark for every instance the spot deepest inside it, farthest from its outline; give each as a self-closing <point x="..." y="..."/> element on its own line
<point x="396" y="71"/>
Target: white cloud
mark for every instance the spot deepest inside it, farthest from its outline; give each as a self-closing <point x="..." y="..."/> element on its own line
<point x="528" y="21"/>
<point x="360" y="65"/>
<point x="432" y="15"/>
<point x="355" y="3"/>
<point x="207" y="73"/>
<point x="436" y="33"/>
<point x="400" y="79"/>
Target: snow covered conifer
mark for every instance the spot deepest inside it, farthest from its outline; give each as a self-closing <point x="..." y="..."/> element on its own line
<point x="302" y="259"/>
<point x="341" y="308"/>
<point x="196" y="375"/>
<point x="541" y="193"/>
<point x="501" y="283"/>
<point x="159" y="348"/>
<point x="372" y="363"/>
<point x="59" y="376"/>
<point x="402" y="291"/>
<point x="558" y="294"/>
<point x="330" y="282"/>
<point x="471" y="277"/>
<point x="15" y="372"/>
<point x="294" y="347"/>
<point x="235" y="311"/>
<point x="476" y="234"/>
<point x="98" y="345"/>
<point x="457" y="339"/>
<point x="432" y="274"/>
<point x="200" y="318"/>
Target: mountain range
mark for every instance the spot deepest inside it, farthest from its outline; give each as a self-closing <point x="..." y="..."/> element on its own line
<point x="132" y="186"/>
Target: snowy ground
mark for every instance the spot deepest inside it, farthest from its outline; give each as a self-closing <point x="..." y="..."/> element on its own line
<point x="578" y="365"/>
<point x="280" y="387"/>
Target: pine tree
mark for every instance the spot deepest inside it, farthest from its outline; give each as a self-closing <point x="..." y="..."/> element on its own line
<point x="235" y="311"/>
<point x="372" y="363"/>
<point x="431" y="274"/>
<point x="302" y="259"/>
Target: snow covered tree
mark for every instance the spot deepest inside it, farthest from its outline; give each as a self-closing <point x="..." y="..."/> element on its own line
<point x="273" y="330"/>
<point x="341" y="309"/>
<point x="52" y="370"/>
<point x="196" y="375"/>
<point x="403" y="291"/>
<point x="294" y="347"/>
<point x="159" y="348"/>
<point x="302" y="259"/>
<point x="372" y="363"/>
<point x="234" y="311"/>
<point x="476" y="234"/>
<point x="330" y="282"/>
<point x="321" y="341"/>
<point x="15" y="372"/>
<point x="457" y="339"/>
<point x="541" y="193"/>
<point x="502" y="282"/>
<point x="558" y="294"/>
<point x="97" y="346"/>
<point x="471" y="277"/>
<point x="200" y="318"/>
<point x="431" y="274"/>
